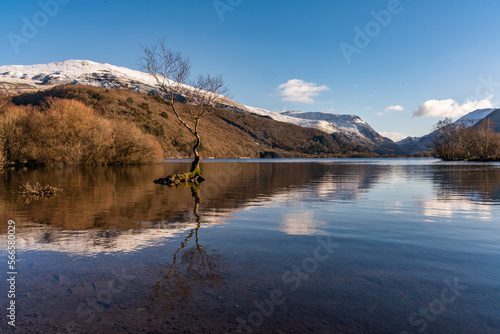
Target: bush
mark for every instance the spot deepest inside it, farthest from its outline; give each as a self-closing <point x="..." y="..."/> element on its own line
<point x="68" y="132"/>
<point x="161" y="100"/>
<point x="37" y="190"/>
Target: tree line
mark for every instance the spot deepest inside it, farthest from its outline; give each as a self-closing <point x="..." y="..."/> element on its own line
<point x="465" y="141"/>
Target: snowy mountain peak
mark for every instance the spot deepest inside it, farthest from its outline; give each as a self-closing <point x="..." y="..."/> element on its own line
<point x="475" y="116"/>
<point x="349" y="123"/>
<point x="20" y="78"/>
<point x="83" y="72"/>
<point x="349" y="127"/>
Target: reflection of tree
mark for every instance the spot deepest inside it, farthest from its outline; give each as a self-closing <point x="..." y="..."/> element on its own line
<point x="473" y="182"/>
<point x="192" y="268"/>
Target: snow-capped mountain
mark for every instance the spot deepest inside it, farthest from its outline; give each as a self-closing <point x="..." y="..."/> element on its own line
<point x="351" y="128"/>
<point x="82" y="72"/>
<point x="475" y="116"/>
<point x="283" y="117"/>
<point x="411" y="145"/>
<point x="20" y="78"/>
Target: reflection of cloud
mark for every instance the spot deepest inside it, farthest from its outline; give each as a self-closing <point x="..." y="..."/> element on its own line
<point x="301" y="223"/>
<point x="394" y="207"/>
<point x="94" y="242"/>
<point x="454" y="208"/>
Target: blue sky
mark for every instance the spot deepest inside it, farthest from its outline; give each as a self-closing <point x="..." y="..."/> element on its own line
<point x="400" y="65"/>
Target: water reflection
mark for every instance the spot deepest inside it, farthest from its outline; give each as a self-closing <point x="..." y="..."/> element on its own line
<point x="474" y="183"/>
<point x="301" y="223"/>
<point x="193" y="267"/>
<point x="199" y="259"/>
<point x="119" y="209"/>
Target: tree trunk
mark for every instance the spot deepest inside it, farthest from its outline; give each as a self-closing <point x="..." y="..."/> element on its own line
<point x="195" y="166"/>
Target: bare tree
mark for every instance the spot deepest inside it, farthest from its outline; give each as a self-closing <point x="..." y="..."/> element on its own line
<point x="447" y="141"/>
<point x="172" y="72"/>
<point x="452" y="141"/>
<point x="486" y="139"/>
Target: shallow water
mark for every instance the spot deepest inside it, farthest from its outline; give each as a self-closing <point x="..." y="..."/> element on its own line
<point x="274" y="246"/>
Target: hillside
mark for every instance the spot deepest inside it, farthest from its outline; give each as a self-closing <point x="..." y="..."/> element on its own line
<point x="225" y="133"/>
<point x="411" y="145"/>
<point x="20" y="79"/>
<point x="495" y="117"/>
<point x="352" y="129"/>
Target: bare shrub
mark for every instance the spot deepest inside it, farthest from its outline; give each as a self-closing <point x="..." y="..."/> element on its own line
<point x="131" y="146"/>
<point x="38" y="191"/>
<point x="67" y="132"/>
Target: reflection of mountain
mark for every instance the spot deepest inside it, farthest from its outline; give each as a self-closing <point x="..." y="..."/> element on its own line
<point x="120" y="209"/>
<point x="454" y="208"/>
<point x="92" y="242"/>
<point x="462" y="191"/>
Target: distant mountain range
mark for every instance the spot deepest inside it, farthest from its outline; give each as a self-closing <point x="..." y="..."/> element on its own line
<point x="411" y="145"/>
<point x="19" y="78"/>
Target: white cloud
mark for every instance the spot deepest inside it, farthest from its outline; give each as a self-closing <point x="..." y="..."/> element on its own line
<point x="394" y="108"/>
<point x="300" y="91"/>
<point x="368" y="108"/>
<point x="395" y="136"/>
<point x="450" y="108"/>
<point x="380" y="113"/>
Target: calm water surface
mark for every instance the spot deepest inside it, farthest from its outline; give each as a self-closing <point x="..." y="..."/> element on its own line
<point x="273" y="246"/>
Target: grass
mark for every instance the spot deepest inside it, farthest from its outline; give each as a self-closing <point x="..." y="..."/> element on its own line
<point x="39" y="191"/>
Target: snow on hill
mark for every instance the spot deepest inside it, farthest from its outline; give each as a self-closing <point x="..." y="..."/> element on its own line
<point x="411" y="145"/>
<point x="318" y="124"/>
<point x="351" y="128"/>
<point x="83" y="72"/>
<point x="475" y="116"/>
<point x="34" y="77"/>
<point x="349" y="123"/>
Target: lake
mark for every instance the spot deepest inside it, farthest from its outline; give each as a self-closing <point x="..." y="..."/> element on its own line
<point x="265" y="246"/>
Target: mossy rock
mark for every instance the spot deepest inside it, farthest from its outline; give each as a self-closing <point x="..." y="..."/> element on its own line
<point x="180" y="179"/>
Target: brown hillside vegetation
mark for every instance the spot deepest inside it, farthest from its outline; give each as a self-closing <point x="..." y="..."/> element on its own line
<point x="67" y="132"/>
<point x="95" y="114"/>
